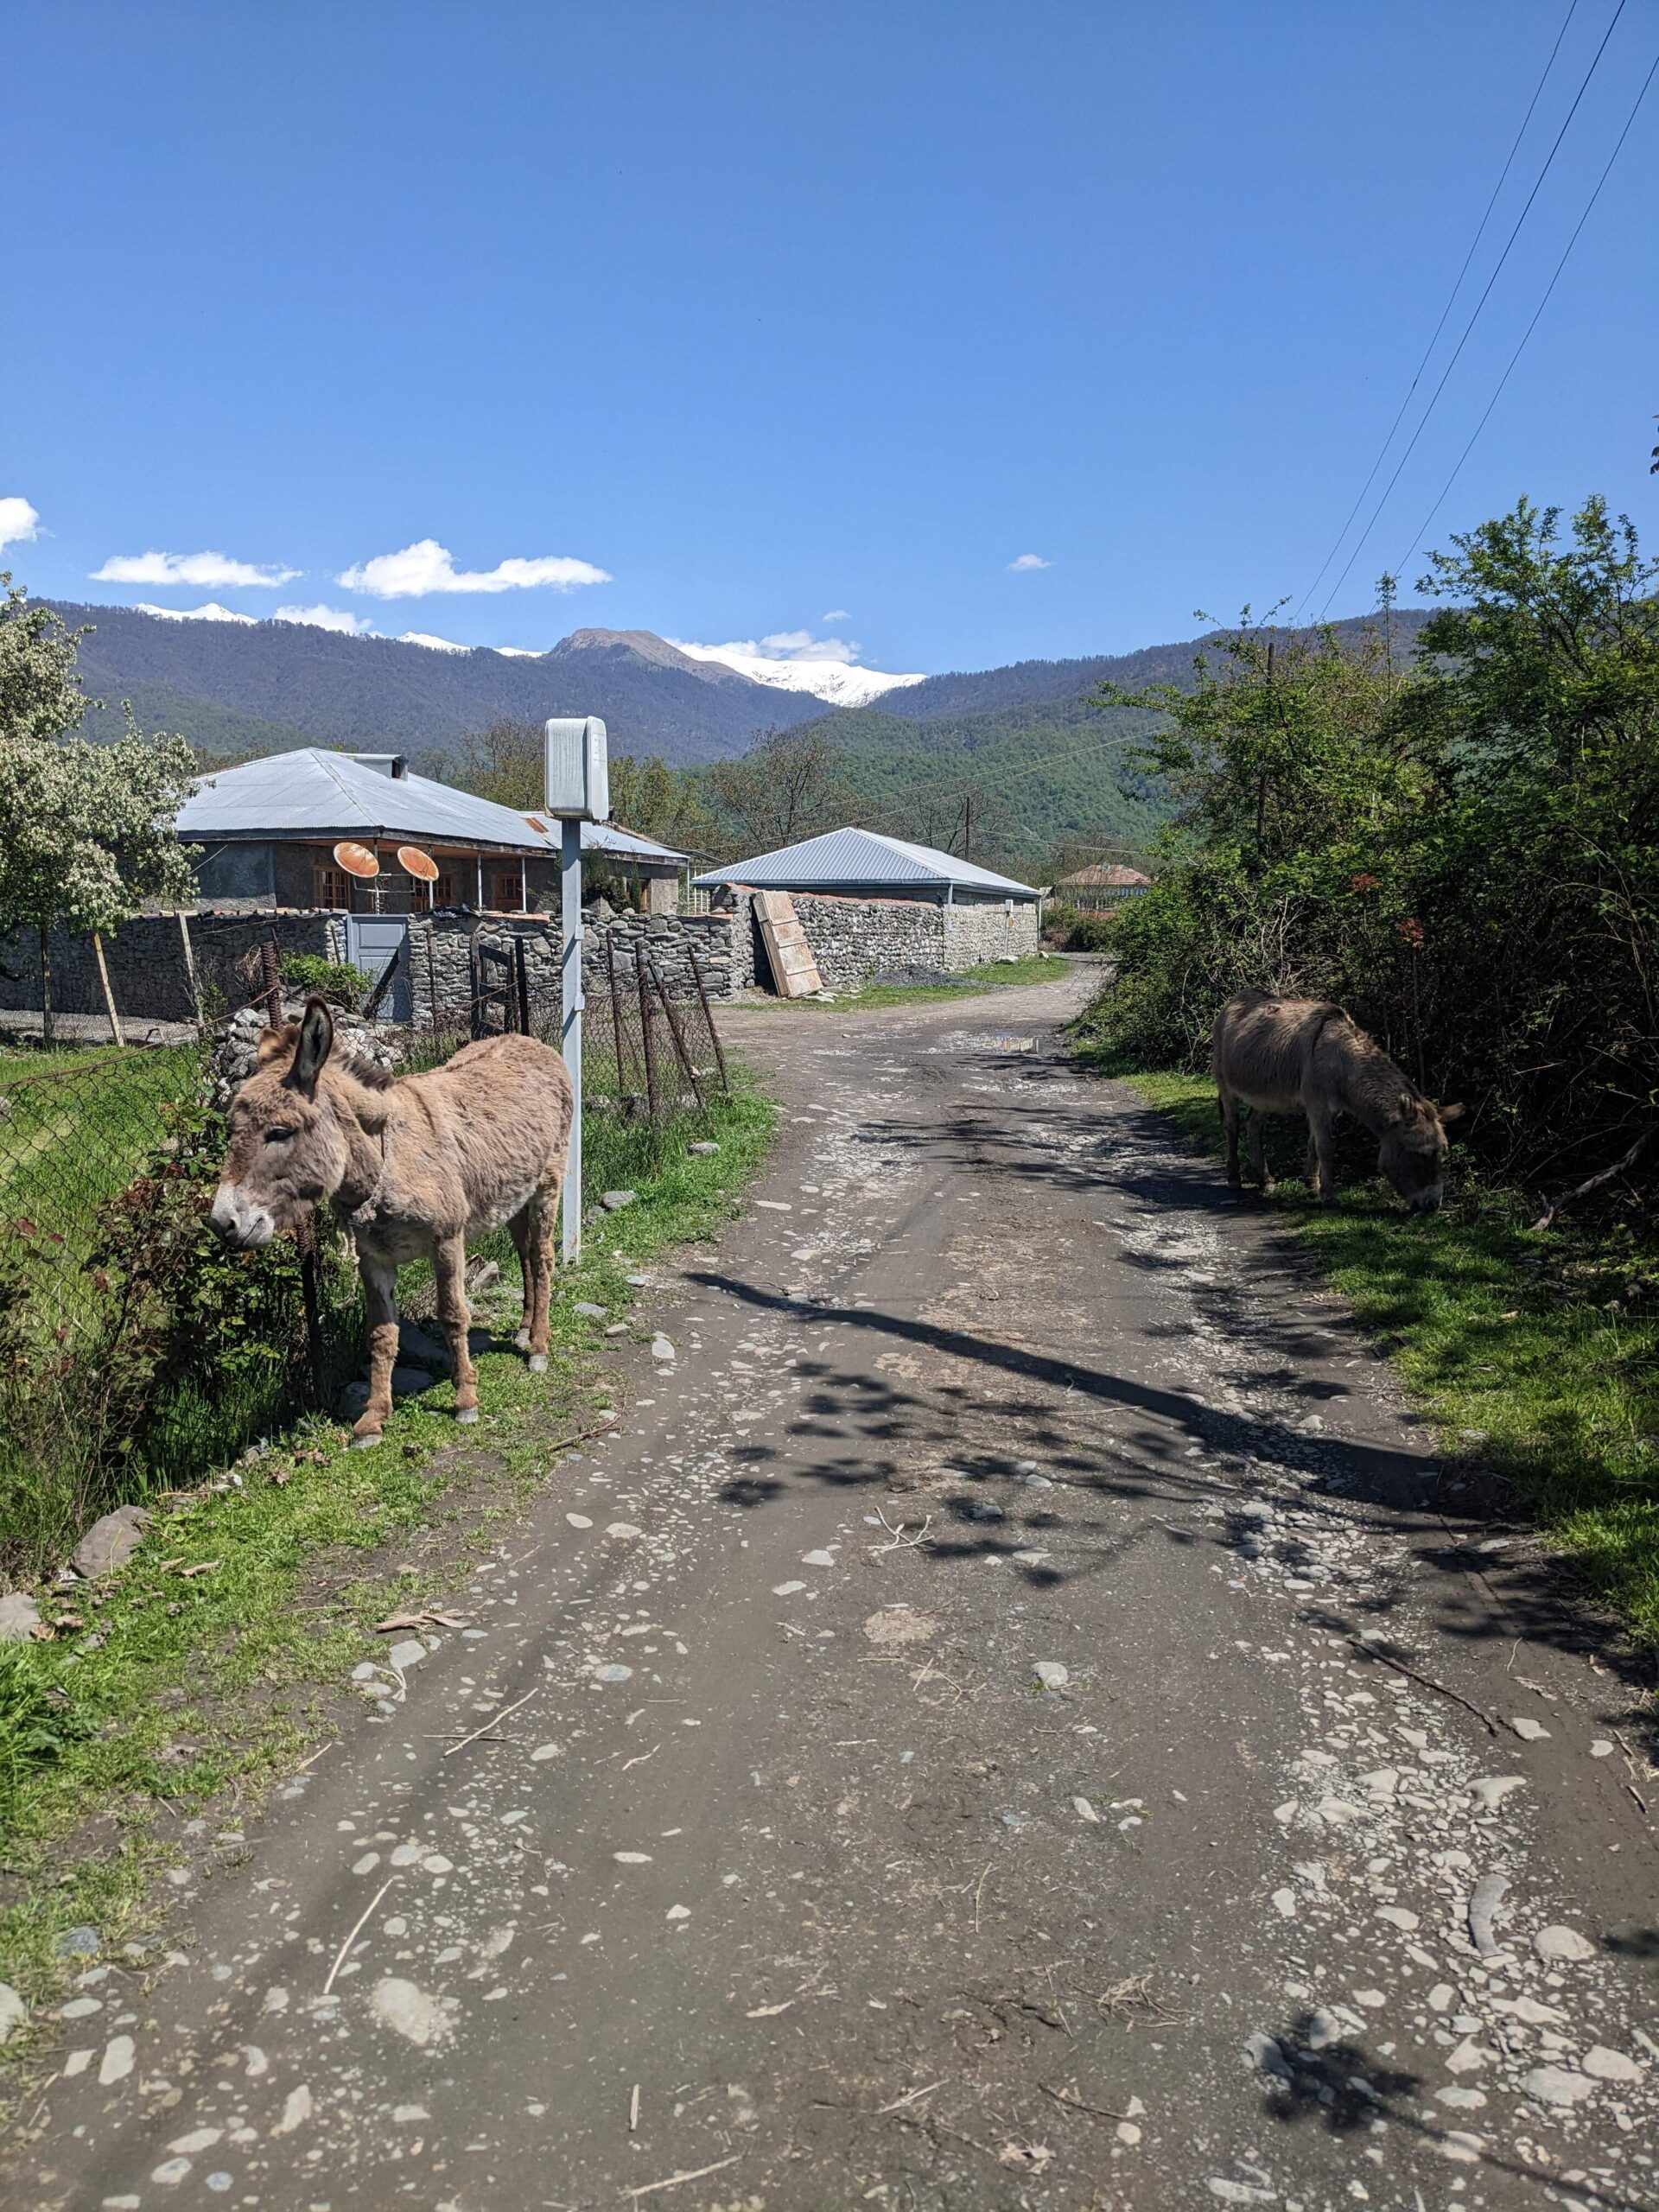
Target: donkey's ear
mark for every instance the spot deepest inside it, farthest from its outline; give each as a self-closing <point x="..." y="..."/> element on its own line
<point x="1407" y="1106"/>
<point x="272" y="1041"/>
<point x="1452" y="1113"/>
<point x="317" y="1036"/>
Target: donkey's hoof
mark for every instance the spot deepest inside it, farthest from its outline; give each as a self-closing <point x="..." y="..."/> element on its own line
<point x="366" y="1443"/>
<point x="538" y="1363"/>
<point x="465" y="1415"/>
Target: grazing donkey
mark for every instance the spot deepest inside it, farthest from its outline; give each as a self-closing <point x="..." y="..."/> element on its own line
<point x="413" y="1166"/>
<point x="1290" y="1056"/>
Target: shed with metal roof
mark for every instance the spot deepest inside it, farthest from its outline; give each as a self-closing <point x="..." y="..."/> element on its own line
<point x="867" y="864"/>
<point x="267" y="830"/>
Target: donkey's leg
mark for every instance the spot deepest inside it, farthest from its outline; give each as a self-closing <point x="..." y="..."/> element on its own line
<point x="379" y="1297"/>
<point x="1322" y="1148"/>
<point x="543" y="1211"/>
<point x="1311" y="1166"/>
<point x="519" y="1230"/>
<point x="449" y="1265"/>
<point x="1258" y="1152"/>
<point x="1228" y="1101"/>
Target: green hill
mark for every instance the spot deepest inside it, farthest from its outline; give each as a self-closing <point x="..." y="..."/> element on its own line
<point x="1043" y="776"/>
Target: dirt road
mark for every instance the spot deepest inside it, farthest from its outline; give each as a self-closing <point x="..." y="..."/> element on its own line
<point x="941" y="1754"/>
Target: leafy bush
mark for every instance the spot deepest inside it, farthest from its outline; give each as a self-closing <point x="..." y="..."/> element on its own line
<point x="37" y="1719"/>
<point x="334" y="980"/>
<point x="1464" y="853"/>
<point x="135" y="1347"/>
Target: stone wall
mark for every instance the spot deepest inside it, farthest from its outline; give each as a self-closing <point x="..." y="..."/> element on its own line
<point x="145" y="959"/>
<point x="441" y="949"/>
<point x="852" y="939"/>
<point x="150" y="980"/>
<point x="974" y="934"/>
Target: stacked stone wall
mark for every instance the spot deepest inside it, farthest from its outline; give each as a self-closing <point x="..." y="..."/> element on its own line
<point x="974" y="935"/>
<point x="150" y="980"/>
<point x="145" y="959"/>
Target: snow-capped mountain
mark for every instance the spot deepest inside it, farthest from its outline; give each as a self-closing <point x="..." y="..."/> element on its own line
<point x="841" y="683"/>
<point x="212" y="613"/>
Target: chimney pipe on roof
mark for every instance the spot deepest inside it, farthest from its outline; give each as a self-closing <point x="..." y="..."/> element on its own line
<point x="395" y="765"/>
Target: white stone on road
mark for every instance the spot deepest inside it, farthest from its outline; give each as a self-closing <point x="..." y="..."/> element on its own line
<point x="408" y="2010"/>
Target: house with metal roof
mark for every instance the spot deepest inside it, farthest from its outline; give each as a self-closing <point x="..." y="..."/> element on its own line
<point x="1105" y="885"/>
<point x="866" y="864"/>
<point x="268" y="832"/>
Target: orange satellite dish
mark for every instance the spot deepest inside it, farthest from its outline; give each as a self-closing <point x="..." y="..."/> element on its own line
<point x="356" y="860"/>
<point x="414" y="862"/>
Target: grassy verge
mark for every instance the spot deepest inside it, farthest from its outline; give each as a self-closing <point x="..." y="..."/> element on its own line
<point x="1535" y="1356"/>
<point x="1037" y="968"/>
<point x="201" y="1670"/>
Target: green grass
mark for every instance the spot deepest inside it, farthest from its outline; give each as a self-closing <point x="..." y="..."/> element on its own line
<point x="1535" y="1355"/>
<point x="174" y="1687"/>
<point x="1036" y="968"/>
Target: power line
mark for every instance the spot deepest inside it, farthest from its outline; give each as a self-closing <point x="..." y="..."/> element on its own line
<point x="1423" y="424"/>
<point x="1533" y="325"/>
<point x="1451" y="298"/>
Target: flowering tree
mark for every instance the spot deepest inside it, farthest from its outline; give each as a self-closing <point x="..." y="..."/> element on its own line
<point x="85" y="830"/>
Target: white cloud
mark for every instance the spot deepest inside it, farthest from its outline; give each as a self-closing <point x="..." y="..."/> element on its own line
<point x="1028" y="562"/>
<point x="427" y="567"/>
<point x="792" y="645"/>
<point x="18" y="522"/>
<point x="327" y="617"/>
<point x="211" y="571"/>
<point x="212" y="613"/>
<point x="836" y="615"/>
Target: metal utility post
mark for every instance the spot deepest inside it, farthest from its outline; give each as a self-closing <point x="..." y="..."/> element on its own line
<point x="570" y="1026"/>
<point x="578" y="791"/>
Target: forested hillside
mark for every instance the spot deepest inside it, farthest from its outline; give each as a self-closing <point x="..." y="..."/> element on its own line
<point x="235" y="688"/>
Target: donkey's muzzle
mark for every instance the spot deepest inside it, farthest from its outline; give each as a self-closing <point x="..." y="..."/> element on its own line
<point x="238" y="1220"/>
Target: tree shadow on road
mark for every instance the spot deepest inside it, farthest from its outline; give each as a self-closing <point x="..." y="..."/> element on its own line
<point x="869" y="1430"/>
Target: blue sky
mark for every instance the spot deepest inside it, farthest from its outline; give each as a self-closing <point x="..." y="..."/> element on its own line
<point x="798" y="319"/>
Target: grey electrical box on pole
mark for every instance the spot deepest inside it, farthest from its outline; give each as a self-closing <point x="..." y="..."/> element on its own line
<point x="578" y="791"/>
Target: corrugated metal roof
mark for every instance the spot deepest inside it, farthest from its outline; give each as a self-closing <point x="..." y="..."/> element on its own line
<point x="1109" y="875"/>
<point x="316" y="793"/>
<point x="864" y="860"/>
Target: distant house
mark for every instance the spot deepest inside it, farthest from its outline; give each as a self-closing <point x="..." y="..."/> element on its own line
<point x="864" y="864"/>
<point x="268" y="831"/>
<point x="1105" y="885"/>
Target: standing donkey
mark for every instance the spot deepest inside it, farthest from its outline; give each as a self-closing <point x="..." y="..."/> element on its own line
<point x="413" y="1166"/>
<point x="1290" y="1056"/>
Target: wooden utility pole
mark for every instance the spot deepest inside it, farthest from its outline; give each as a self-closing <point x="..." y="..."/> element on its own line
<point x="109" y="995"/>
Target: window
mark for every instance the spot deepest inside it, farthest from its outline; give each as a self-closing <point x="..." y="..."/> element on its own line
<point x="334" y="888"/>
<point x="506" y="891"/>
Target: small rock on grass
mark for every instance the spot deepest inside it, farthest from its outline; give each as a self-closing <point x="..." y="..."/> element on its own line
<point x="614" y="1201"/>
<point x="704" y="1148"/>
<point x="77" y="1943"/>
<point x="661" y="1348"/>
<point x="409" y="1653"/>
<point x="19" y="1616"/>
<point x="417" y="1349"/>
<point x="588" y="1310"/>
<point x="1051" y="1675"/>
<point x="13" y="2013"/>
<point x="111" y="1542"/>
